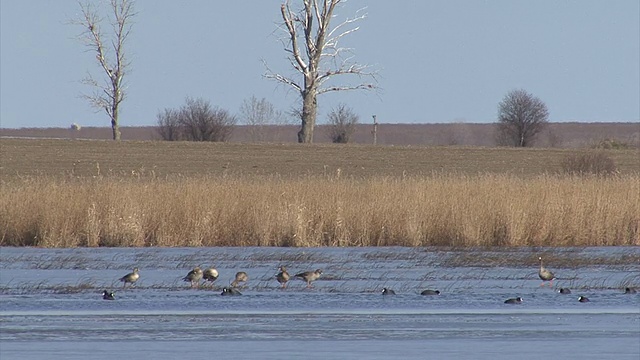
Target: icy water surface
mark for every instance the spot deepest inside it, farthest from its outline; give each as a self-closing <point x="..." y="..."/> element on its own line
<point x="51" y="305"/>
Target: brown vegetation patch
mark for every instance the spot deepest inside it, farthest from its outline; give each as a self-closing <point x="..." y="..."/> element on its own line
<point x="443" y="210"/>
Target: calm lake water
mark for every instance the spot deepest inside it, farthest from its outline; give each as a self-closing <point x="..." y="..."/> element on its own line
<point x="51" y="305"/>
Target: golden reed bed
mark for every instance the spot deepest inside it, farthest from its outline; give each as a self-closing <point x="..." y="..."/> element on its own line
<point x="450" y="210"/>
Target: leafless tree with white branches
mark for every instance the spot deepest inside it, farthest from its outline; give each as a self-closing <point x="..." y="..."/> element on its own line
<point x="110" y="53"/>
<point x="315" y="53"/>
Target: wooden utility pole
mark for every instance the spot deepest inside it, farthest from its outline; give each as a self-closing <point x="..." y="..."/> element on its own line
<point x="375" y="130"/>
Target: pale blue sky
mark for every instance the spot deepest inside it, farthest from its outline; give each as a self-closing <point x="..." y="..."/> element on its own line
<point x="439" y="61"/>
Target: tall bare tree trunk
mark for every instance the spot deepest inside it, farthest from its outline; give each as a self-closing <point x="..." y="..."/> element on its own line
<point x="115" y="127"/>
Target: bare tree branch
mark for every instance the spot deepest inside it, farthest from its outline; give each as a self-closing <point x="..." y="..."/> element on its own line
<point x="281" y="78"/>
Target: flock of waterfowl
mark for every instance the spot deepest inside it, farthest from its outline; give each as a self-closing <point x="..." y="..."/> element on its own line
<point x="210" y="275"/>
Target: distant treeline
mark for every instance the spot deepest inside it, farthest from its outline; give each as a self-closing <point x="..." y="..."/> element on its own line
<point x="559" y="135"/>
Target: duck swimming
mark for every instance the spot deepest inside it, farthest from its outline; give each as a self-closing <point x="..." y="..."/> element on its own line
<point x="517" y="300"/>
<point x="386" y="291"/>
<point x="230" y="291"/>
<point x="430" y="292"/>
<point x="108" y="295"/>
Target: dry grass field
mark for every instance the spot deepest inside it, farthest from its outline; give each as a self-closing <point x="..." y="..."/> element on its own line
<point x="65" y="193"/>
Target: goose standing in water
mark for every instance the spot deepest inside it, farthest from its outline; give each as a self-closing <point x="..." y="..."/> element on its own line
<point x="309" y="276"/>
<point x="194" y="277"/>
<point x="386" y="291"/>
<point x="545" y="275"/>
<point x="131" y="277"/>
<point x="283" y="276"/>
<point x="517" y="300"/>
<point x="241" y="277"/>
<point x="108" y="295"/>
<point x="210" y="274"/>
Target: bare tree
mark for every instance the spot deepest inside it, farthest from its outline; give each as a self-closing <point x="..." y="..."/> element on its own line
<point x="342" y="124"/>
<point x="197" y="120"/>
<point x="169" y="125"/>
<point x="521" y="117"/>
<point x="315" y="53"/>
<point x="110" y="53"/>
<point x="258" y="114"/>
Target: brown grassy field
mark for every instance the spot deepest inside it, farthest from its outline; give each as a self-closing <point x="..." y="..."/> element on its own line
<point x="63" y="193"/>
<point x="46" y="157"/>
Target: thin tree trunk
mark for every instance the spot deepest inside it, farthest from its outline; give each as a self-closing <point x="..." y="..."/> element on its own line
<point x="115" y="127"/>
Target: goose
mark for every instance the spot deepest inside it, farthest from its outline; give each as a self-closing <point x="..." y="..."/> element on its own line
<point x="517" y="300"/>
<point x="241" y="277"/>
<point x="283" y="276"/>
<point x="545" y="274"/>
<point x="210" y="274"/>
<point x="108" y="295"/>
<point x="430" y="292"/>
<point x="564" y="291"/>
<point x="194" y="276"/>
<point x="629" y="290"/>
<point x="230" y="291"/>
<point x="583" y="299"/>
<point x="386" y="291"/>
<point x="309" y="276"/>
<point x="131" y="277"/>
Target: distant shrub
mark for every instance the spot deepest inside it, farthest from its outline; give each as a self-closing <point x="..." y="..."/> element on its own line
<point x="342" y="124"/>
<point x="611" y="144"/>
<point x="197" y="120"/>
<point x="589" y="163"/>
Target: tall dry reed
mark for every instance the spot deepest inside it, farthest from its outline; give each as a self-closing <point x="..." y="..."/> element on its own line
<point x="452" y="210"/>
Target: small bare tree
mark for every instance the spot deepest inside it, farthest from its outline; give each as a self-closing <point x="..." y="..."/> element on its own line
<point x="197" y="120"/>
<point x="342" y="124"/>
<point x="315" y="53"/>
<point x="521" y="117"/>
<point x="258" y="114"/>
<point x="110" y="54"/>
<point x="169" y="125"/>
